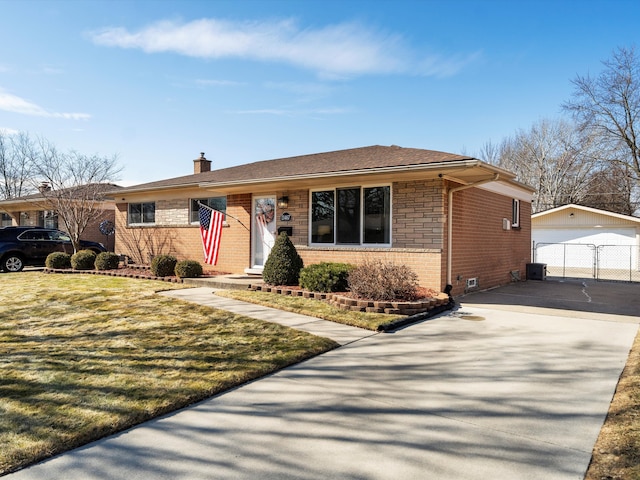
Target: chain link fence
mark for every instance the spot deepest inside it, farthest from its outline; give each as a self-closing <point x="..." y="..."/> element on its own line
<point x="578" y="260"/>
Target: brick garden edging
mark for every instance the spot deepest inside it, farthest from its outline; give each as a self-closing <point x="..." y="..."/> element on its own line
<point x="356" y="305"/>
<point x="113" y="273"/>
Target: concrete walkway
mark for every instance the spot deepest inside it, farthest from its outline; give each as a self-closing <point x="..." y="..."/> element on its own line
<point x="476" y="393"/>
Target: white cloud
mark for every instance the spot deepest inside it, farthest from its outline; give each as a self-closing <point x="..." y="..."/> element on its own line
<point x="334" y="51"/>
<point x="15" y="104"/>
<point x="8" y="131"/>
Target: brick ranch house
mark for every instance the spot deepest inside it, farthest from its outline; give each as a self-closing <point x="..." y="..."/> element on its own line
<point x="452" y="218"/>
<point x="36" y="210"/>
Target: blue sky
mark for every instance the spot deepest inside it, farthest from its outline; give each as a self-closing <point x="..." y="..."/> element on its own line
<point x="157" y="82"/>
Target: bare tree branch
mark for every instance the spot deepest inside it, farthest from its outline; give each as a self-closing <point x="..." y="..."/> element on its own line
<point x="73" y="185"/>
<point x="17" y="154"/>
<point x="608" y="106"/>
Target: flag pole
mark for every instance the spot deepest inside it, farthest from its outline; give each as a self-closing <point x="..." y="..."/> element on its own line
<point x="223" y="213"/>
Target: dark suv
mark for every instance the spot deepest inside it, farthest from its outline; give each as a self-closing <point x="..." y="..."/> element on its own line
<point x="22" y="246"/>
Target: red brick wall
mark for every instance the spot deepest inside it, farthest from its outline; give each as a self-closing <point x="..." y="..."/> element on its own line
<point x="184" y="242"/>
<point x="417" y="227"/>
<point x="426" y="264"/>
<point x="481" y="248"/>
<point x="418" y="214"/>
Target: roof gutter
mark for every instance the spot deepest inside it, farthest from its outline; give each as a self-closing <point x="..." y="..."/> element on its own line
<point x="398" y="168"/>
<point x="464" y="186"/>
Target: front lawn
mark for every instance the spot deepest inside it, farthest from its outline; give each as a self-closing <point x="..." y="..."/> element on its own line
<point x="84" y="356"/>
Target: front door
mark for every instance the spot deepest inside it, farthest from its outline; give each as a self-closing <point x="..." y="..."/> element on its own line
<point x="263" y="229"/>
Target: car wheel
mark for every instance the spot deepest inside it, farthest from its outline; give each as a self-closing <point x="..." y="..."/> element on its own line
<point x="12" y="263"/>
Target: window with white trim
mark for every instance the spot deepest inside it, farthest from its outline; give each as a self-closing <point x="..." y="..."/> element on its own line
<point x="515" y="213"/>
<point x="142" y="213"/>
<point x="217" y="203"/>
<point x="351" y="216"/>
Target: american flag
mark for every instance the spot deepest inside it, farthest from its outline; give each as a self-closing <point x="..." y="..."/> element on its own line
<point x="211" y="231"/>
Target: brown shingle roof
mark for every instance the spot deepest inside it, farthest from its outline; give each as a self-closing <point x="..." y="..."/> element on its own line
<point x="100" y="189"/>
<point x="356" y="159"/>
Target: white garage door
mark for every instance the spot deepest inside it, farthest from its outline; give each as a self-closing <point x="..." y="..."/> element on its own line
<point x="620" y="249"/>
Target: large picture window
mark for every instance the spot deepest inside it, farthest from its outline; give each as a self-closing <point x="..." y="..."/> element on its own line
<point x="351" y="216"/>
<point x="217" y="203"/>
<point x="140" y="213"/>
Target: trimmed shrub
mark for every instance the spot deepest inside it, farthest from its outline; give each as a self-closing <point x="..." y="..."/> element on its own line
<point x="58" y="260"/>
<point x="188" y="269"/>
<point x="163" y="265"/>
<point x="107" y="261"/>
<point x="83" y="260"/>
<point x="325" y="277"/>
<point x="284" y="263"/>
<point x="376" y="280"/>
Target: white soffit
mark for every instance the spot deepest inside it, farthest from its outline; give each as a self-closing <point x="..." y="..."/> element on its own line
<point x="508" y="190"/>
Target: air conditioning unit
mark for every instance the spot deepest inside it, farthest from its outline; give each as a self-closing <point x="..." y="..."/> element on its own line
<point x="506" y="224"/>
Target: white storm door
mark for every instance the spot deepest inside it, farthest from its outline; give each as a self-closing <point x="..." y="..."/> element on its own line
<point x="263" y="229"/>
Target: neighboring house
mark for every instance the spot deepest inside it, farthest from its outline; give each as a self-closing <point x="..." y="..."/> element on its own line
<point x="35" y="211"/>
<point x="577" y="241"/>
<point x="453" y="219"/>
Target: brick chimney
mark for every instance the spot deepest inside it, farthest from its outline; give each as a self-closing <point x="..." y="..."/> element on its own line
<point x="201" y="164"/>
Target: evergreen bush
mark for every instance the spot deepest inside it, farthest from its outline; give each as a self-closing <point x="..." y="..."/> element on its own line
<point x="83" y="260"/>
<point x="188" y="269"/>
<point x="107" y="261"/>
<point x="380" y="281"/>
<point x="163" y="265"/>
<point x="325" y="277"/>
<point x="284" y="263"/>
<point x="58" y="260"/>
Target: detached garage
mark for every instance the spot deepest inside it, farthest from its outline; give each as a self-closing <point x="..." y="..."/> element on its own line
<point x="577" y="241"/>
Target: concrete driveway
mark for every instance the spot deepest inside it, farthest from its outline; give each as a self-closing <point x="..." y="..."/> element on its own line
<point x="489" y="390"/>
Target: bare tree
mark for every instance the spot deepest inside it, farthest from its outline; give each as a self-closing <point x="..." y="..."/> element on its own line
<point x="490" y="153"/>
<point x="73" y="185"/>
<point x="612" y="189"/>
<point x="17" y="154"/>
<point x="553" y="157"/>
<point x="609" y="106"/>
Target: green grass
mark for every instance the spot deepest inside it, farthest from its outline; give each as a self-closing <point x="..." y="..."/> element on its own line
<point x="311" y="307"/>
<point x="84" y="356"/>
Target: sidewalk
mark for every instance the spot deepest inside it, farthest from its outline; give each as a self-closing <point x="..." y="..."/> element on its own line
<point x="342" y="334"/>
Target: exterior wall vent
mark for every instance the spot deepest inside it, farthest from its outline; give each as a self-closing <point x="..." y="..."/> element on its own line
<point x="506" y="224"/>
<point x="472" y="282"/>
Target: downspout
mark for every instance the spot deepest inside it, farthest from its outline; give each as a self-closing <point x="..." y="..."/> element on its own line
<point x="450" y="219"/>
